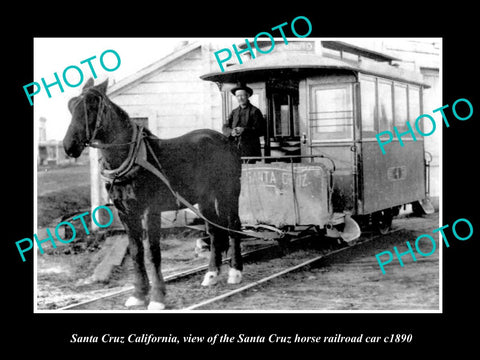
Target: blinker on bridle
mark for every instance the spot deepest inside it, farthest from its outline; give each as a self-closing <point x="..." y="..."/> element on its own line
<point x="91" y="137"/>
<point x="98" y="121"/>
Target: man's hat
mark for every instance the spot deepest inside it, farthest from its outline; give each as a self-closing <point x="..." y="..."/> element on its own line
<point x="242" y="86"/>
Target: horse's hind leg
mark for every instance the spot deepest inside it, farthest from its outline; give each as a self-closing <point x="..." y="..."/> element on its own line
<point x="157" y="298"/>
<point x="134" y="229"/>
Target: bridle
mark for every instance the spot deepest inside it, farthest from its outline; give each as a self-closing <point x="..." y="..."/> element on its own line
<point x="102" y="103"/>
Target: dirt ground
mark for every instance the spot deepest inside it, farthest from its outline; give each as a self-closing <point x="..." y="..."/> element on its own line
<point x="352" y="281"/>
<point x="62" y="274"/>
<point x="61" y="191"/>
<point x="349" y="281"/>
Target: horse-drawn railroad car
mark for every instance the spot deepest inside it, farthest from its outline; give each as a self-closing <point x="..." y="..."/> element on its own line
<point x="323" y="103"/>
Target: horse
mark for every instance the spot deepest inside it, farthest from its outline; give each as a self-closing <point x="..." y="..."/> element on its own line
<point x="146" y="175"/>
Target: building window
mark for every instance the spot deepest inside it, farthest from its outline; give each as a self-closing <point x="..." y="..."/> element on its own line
<point x="141" y="121"/>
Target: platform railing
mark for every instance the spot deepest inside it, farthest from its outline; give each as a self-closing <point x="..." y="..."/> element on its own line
<point x="289" y="158"/>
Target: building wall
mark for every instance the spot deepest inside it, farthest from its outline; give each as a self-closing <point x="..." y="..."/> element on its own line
<point x="174" y="99"/>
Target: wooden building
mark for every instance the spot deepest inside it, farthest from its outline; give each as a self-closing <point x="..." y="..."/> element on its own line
<point x="168" y="96"/>
<point x="51" y="153"/>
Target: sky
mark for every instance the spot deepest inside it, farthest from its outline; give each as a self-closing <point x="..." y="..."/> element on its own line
<point x="55" y="54"/>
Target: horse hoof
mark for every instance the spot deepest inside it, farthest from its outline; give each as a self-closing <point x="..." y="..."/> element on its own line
<point x="234" y="276"/>
<point x="202" y="249"/>
<point x="210" y="278"/>
<point x="133" y="301"/>
<point x="154" y="305"/>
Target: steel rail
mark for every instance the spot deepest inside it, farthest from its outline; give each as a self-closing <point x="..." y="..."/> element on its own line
<point x="283" y="272"/>
<point x="182" y="274"/>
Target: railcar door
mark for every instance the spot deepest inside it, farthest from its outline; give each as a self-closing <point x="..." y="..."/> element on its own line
<point x="327" y="128"/>
<point x="283" y="120"/>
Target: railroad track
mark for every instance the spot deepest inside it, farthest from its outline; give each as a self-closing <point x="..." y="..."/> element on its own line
<point x="262" y="251"/>
<point x="185" y="285"/>
<point x="298" y="263"/>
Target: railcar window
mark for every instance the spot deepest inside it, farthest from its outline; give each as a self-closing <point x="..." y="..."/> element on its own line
<point x="385" y="106"/>
<point x="331" y="115"/>
<point x="369" y="104"/>
<point x="285" y="115"/>
<point x="386" y="103"/>
<point x="296" y="119"/>
<point x="401" y="107"/>
<point x="414" y="105"/>
<point x="281" y="126"/>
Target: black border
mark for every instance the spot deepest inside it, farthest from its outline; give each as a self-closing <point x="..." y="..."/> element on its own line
<point x="431" y="331"/>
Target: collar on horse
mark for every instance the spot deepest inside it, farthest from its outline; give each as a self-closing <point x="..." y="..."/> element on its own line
<point x="136" y="153"/>
<point x="137" y="159"/>
<point x="136" y="150"/>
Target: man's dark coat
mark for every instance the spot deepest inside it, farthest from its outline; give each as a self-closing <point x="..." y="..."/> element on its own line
<point x="248" y="142"/>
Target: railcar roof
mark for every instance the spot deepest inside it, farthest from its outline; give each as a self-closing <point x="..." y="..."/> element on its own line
<point x="304" y="64"/>
<point x="353" y="49"/>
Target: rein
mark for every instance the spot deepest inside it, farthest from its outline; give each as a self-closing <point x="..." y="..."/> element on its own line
<point x="180" y="199"/>
<point x="137" y="155"/>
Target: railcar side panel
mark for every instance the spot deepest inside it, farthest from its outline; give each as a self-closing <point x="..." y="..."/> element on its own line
<point x="280" y="194"/>
<point x="343" y="197"/>
<point x="396" y="178"/>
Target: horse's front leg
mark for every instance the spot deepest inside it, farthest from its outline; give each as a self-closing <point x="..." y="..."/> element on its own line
<point x="133" y="225"/>
<point x="236" y="261"/>
<point x="207" y="208"/>
<point x="157" y="298"/>
<point x="211" y="277"/>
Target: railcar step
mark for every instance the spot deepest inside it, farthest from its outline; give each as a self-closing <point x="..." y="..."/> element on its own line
<point x="427" y="206"/>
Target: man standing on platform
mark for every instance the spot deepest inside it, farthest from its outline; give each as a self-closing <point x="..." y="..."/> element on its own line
<point x="245" y="124"/>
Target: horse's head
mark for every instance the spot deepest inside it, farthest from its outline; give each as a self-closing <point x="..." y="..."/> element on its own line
<point x="87" y="111"/>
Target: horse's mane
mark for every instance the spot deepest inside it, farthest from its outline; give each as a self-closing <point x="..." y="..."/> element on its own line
<point x="117" y="108"/>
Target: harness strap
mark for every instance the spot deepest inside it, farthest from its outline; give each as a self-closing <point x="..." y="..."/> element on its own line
<point x="126" y="166"/>
<point x="145" y="164"/>
<point x="91" y="137"/>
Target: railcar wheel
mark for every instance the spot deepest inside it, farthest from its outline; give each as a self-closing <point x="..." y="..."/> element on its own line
<point x="383" y="221"/>
<point x="417" y="209"/>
